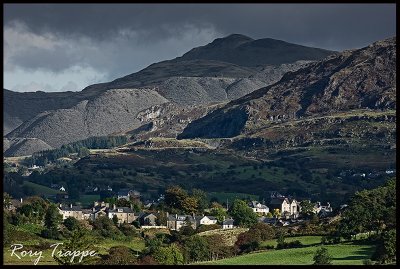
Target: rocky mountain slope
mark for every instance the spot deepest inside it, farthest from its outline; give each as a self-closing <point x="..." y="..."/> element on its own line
<point x="23" y="146"/>
<point x="113" y="111"/>
<point x="186" y="81"/>
<point x="363" y="78"/>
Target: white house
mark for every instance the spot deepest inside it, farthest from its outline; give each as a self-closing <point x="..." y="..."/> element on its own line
<point x="259" y="208"/>
<point x="62" y="188"/>
<point x="206" y="220"/>
<point x="227" y="224"/>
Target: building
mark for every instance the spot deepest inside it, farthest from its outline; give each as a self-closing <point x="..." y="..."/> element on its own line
<point x="62" y="188"/>
<point x="175" y="222"/>
<point x="227" y="224"/>
<point x="259" y="208"/>
<point x="148" y="219"/>
<point x="322" y="211"/>
<point x="71" y="211"/>
<point x="128" y="194"/>
<point x="288" y="207"/>
<point x="99" y="209"/>
<point x="205" y="220"/>
<point x="124" y="214"/>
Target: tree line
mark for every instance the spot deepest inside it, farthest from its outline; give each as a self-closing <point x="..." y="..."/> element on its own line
<point x="81" y="147"/>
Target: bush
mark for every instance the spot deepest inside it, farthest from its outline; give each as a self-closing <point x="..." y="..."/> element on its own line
<point x="322" y="257"/>
<point x="386" y="249"/>
<point x="50" y="233"/>
<point x="203" y="228"/>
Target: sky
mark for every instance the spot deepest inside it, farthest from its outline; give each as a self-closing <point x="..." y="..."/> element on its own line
<point x="66" y="47"/>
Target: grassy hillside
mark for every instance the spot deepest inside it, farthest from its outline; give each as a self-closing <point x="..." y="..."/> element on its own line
<point x="342" y="254"/>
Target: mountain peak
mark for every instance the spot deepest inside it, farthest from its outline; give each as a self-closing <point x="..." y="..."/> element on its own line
<point x="244" y="51"/>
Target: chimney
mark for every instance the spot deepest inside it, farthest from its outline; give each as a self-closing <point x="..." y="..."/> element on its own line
<point x="114" y="206"/>
<point x="70" y="205"/>
<point x="176" y="216"/>
<point x="167" y="214"/>
<point x="21" y="200"/>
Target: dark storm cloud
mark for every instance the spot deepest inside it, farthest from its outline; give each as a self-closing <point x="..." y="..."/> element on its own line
<point x="333" y="25"/>
<point x="112" y="40"/>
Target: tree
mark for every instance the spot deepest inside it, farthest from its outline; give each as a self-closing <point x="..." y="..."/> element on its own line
<point x="386" y="248"/>
<point x="105" y="227"/>
<point x="201" y="197"/>
<point x="170" y="255"/>
<point x="280" y="241"/>
<point x="218" y="249"/>
<point x="247" y="242"/>
<point x="115" y="220"/>
<point x="263" y="230"/>
<point x="72" y="223"/>
<point x="79" y="240"/>
<point x="306" y="208"/>
<point x="174" y="197"/>
<point x="34" y="208"/>
<point x="161" y="218"/>
<point x="83" y="152"/>
<point x="218" y="211"/>
<point x="322" y="257"/>
<point x="277" y="213"/>
<point x="189" y="205"/>
<point x="196" y="249"/>
<point x="269" y="215"/>
<point x="52" y="220"/>
<point x="370" y="210"/>
<point x="243" y="214"/>
<point x="119" y="255"/>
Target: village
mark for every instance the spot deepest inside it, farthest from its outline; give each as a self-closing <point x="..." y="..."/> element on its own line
<point x="281" y="211"/>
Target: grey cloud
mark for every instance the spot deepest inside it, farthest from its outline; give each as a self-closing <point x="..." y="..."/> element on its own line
<point x="119" y="39"/>
<point x="338" y="26"/>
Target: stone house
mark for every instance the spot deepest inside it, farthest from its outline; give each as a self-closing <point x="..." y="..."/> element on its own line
<point x="124" y="214"/>
<point x="175" y="222"/>
<point x="148" y="219"/>
<point x="287" y="207"/>
<point x="71" y="211"/>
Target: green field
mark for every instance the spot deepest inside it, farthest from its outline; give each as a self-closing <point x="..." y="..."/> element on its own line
<point x="88" y="199"/>
<point x="342" y="254"/>
<point x="40" y="189"/>
<point x="27" y="235"/>
<point x="307" y="240"/>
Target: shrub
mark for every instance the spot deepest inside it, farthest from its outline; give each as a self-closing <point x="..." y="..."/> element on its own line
<point x="322" y="257"/>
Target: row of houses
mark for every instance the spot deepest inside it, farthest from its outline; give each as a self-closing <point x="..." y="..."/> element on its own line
<point x="288" y="207"/>
<point x="127" y="215"/>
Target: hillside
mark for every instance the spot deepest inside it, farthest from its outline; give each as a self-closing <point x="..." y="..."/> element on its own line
<point x="364" y="78"/>
<point x="112" y="111"/>
<point x="185" y="82"/>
